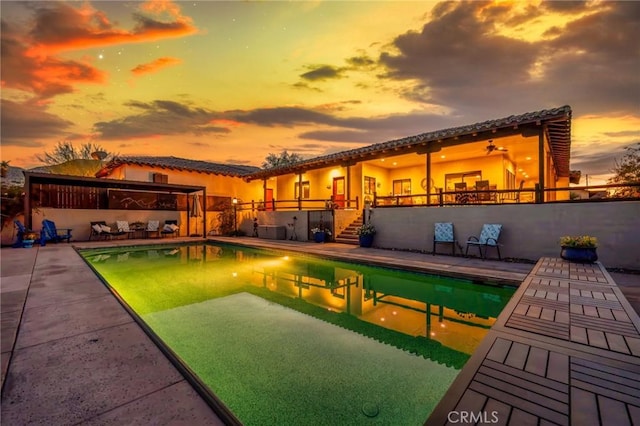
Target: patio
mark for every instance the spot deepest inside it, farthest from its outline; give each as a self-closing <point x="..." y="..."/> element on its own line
<point x="72" y="354"/>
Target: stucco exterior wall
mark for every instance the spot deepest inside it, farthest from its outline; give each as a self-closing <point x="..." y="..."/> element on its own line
<point x="79" y="219"/>
<point x="530" y="231"/>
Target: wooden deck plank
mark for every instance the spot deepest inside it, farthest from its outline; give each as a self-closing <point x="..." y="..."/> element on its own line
<point x="566" y="349"/>
<point x="523" y="404"/>
<point x="617" y="343"/>
<point x="579" y="335"/>
<point x="519" y="387"/>
<point x="496" y="411"/>
<point x="634" y="414"/>
<point x="596" y="389"/>
<point x="499" y="350"/>
<point x="531" y="377"/>
<point x="603" y="324"/>
<point x="613" y="412"/>
<point x="558" y="367"/>
<point x="517" y="355"/>
<point x="537" y="361"/>
<point x="596" y="338"/>
<point x="629" y="372"/>
<point x="522" y="418"/>
<point x="634" y="345"/>
<point x="584" y="408"/>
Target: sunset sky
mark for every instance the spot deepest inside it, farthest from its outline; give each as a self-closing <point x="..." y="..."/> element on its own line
<point x="233" y="81"/>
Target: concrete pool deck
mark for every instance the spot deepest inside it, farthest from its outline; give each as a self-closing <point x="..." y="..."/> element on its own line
<point x="72" y="355"/>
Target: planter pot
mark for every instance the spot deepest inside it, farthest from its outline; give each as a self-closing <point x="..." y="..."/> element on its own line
<point x="578" y="254"/>
<point x="27" y="243"/>
<point x="366" y="240"/>
<point x="319" y="237"/>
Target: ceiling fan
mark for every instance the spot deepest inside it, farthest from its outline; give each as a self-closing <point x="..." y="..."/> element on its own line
<point x="491" y="147"/>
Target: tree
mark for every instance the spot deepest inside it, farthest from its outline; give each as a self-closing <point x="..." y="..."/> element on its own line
<point x="627" y="170"/>
<point x="283" y="159"/>
<point x="67" y="159"/>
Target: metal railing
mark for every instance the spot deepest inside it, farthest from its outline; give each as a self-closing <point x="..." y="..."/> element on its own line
<point x="599" y="193"/>
<point x="300" y="204"/>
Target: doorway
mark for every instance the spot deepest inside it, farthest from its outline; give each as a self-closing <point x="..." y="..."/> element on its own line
<point x="338" y="192"/>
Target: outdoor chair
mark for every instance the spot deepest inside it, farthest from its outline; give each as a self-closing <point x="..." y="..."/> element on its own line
<point x="99" y="229"/>
<point x="488" y="238"/>
<point x="153" y="227"/>
<point x="483" y="185"/>
<point x="123" y="226"/>
<point x="443" y="234"/>
<point x="50" y="232"/>
<point x="170" y="228"/>
<point x="20" y="234"/>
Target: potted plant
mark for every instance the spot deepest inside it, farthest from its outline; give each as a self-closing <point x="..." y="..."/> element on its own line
<point x="365" y="232"/>
<point x="320" y="234"/>
<point x="579" y="248"/>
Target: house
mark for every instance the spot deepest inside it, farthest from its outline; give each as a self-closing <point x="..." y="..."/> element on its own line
<point x="521" y="155"/>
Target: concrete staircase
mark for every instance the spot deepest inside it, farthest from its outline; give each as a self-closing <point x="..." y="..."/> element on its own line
<point x="348" y="235"/>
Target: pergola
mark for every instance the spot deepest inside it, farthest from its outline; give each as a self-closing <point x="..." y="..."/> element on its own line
<point x="33" y="178"/>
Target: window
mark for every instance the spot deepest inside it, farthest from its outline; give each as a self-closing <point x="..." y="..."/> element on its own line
<point x="305" y="190"/>
<point x="402" y="187"/>
<point x="159" y="178"/>
<point x="369" y="185"/>
<point x="469" y="178"/>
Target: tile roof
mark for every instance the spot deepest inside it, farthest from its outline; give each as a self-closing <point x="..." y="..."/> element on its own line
<point x="558" y="122"/>
<point x="180" y="164"/>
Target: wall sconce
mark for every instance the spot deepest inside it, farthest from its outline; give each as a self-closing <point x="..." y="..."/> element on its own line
<point x="378" y="185"/>
<point x="328" y="186"/>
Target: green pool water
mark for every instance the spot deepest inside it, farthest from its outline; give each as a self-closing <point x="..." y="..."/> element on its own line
<point x="292" y="339"/>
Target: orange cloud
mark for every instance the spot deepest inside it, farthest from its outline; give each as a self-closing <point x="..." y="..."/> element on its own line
<point x="155" y="65"/>
<point x="29" y="55"/>
<point x="223" y="122"/>
<point x="62" y="27"/>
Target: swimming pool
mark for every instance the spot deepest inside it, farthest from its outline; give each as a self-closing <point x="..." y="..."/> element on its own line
<point x="290" y="339"/>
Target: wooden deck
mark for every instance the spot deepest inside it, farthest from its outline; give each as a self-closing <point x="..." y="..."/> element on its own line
<point x="565" y="350"/>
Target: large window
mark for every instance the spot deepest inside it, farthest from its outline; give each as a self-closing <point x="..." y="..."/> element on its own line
<point x="402" y="187"/>
<point x="305" y="190"/>
<point x="369" y="185"/>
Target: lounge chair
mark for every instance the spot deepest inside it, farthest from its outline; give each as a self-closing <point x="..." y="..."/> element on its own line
<point x="170" y="228"/>
<point x="50" y="232"/>
<point x="100" y="229"/>
<point x="152" y="227"/>
<point x="488" y="238"/>
<point x="443" y="234"/>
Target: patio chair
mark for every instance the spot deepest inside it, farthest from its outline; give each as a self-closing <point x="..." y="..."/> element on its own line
<point x="123" y="226"/>
<point x="483" y="185"/>
<point x="99" y="229"/>
<point x="153" y="227"/>
<point x="50" y="232"/>
<point x="443" y="234"/>
<point x="488" y="238"/>
<point x="170" y="228"/>
<point x="22" y="230"/>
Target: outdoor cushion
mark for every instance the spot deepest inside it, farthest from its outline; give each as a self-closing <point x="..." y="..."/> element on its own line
<point x="153" y="225"/>
<point x="171" y="227"/>
<point x="97" y="228"/>
<point x="123" y="225"/>
<point x="105" y="228"/>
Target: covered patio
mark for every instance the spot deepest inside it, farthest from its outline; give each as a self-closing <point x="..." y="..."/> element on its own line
<point x="75" y="201"/>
